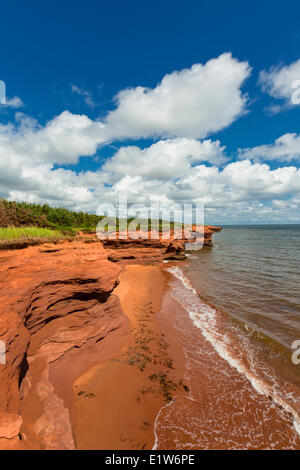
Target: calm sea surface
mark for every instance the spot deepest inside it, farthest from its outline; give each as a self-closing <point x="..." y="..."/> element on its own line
<point x="253" y="273"/>
<point x="240" y="318"/>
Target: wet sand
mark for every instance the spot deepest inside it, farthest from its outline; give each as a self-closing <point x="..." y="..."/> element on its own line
<point x="169" y="388"/>
<point x="227" y="406"/>
<point x="116" y="402"/>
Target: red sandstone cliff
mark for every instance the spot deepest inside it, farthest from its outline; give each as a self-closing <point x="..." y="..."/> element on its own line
<point x="55" y="298"/>
<point x="57" y="303"/>
<point x="146" y="249"/>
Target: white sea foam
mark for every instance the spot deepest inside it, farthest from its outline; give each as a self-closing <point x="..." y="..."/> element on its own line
<point x="204" y="317"/>
<point x="155" y="446"/>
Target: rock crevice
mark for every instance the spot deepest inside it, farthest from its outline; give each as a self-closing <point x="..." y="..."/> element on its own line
<point x="52" y="302"/>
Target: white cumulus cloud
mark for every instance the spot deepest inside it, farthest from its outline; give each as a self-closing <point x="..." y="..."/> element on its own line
<point x="14" y="103"/>
<point x="62" y="140"/>
<point x="192" y="102"/>
<point x="286" y="148"/>
<point x="282" y="82"/>
<point x="164" y="160"/>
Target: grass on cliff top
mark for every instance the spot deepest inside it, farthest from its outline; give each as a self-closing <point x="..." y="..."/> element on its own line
<point x="28" y="215"/>
<point x="16" y="233"/>
<point x="22" y="214"/>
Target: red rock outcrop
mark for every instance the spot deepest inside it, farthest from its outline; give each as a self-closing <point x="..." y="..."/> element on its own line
<point x="55" y="298"/>
<point x="148" y="250"/>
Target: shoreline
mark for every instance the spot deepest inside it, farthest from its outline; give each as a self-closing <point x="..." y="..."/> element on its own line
<point x="116" y="402"/>
<point x="218" y="375"/>
<point x="62" y="319"/>
<point x="131" y="401"/>
<point x="120" y="362"/>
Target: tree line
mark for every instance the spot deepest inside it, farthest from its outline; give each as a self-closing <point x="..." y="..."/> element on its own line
<point x="20" y="214"/>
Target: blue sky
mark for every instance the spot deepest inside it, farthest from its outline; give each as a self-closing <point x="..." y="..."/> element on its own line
<point x="75" y="57"/>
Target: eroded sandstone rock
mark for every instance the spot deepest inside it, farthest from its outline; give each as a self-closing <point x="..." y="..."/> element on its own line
<point x="54" y="298"/>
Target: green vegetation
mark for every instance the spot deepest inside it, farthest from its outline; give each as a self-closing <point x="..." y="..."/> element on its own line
<point x="15" y="233"/>
<point x="59" y="221"/>
<point x="22" y="214"/>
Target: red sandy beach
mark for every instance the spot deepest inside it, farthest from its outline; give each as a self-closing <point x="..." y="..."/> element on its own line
<point x="203" y="403"/>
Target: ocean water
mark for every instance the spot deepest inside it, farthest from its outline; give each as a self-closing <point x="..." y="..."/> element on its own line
<point x="253" y="273"/>
<point x="241" y="302"/>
